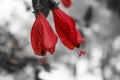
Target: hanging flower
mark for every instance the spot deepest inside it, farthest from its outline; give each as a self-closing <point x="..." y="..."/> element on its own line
<point x="66" y="3"/>
<point x="65" y="27"/>
<point x="43" y="38"/>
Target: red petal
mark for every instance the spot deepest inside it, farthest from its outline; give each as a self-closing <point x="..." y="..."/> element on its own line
<point x="79" y="38"/>
<point x="65" y="25"/>
<point x="49" y="37"/>
<point x="36" y="39"/>
<point x="51" y="50"/>
<point x="66" y="3"/>
<point x="42" y="36"/>
<point x="64" y="40"/>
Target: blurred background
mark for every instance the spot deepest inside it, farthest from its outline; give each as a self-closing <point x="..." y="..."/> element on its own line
<point x="97" y="20"/>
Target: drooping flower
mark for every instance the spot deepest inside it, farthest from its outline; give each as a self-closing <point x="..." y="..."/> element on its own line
<point x="66" y="3"/>
<point x="43" y="38"/>
<point x="65" y="27"/>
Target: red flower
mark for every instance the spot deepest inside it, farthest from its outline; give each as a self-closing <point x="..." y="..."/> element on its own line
<point x="66" y="3"/>
<point x="66" y="29"/>
<point x="43" y="38"/>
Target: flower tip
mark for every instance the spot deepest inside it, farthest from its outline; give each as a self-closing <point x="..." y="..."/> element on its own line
<point x="78" y="45"/>
<point x="83" y="40"/>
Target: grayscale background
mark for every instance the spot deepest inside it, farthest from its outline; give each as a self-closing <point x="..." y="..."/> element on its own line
<point x="97" y="20"/>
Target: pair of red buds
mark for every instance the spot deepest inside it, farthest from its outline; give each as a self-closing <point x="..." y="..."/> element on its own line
<point x="43" y="38"/>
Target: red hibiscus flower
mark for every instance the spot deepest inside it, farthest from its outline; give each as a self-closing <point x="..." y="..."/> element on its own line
<point x="66" y="3"/>
<point x="43" y="38"/>
<point x="65" y="27"/>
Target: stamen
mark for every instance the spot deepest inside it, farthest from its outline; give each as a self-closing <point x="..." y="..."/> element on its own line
<point x="82" y="52"/>
<point x="43" y="60"/>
